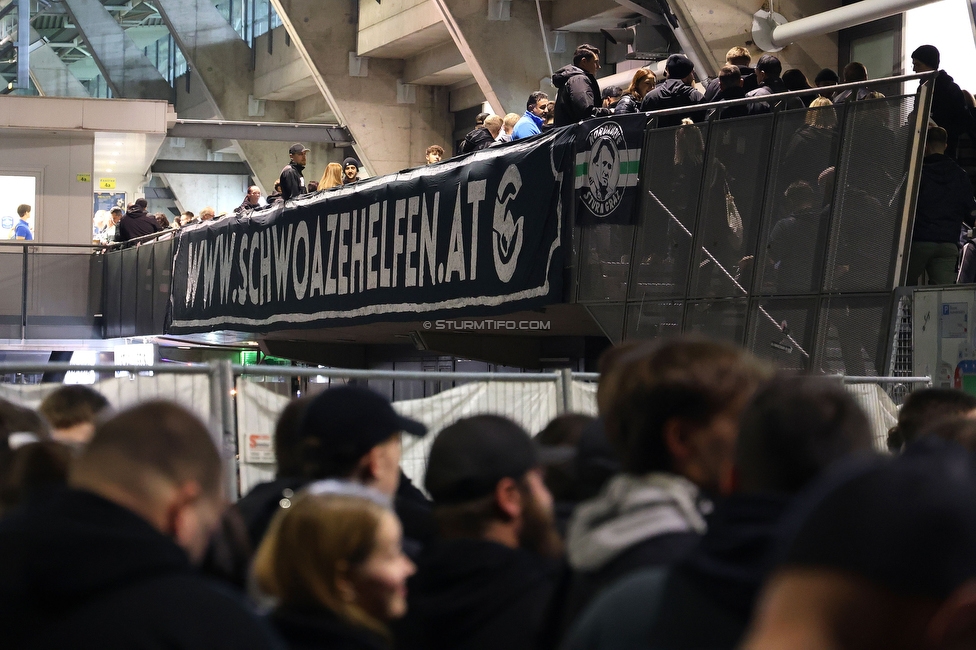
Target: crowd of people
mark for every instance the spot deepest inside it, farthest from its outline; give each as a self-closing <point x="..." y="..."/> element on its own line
<point x="712" y="503"/>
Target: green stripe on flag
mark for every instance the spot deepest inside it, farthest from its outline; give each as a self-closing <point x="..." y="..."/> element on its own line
<point x="630" y="167"/>
<point x="581" y="169"/>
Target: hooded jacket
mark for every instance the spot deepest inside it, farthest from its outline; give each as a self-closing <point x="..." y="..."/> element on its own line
<point x="705" y="601"/>
<point x="78" y="571"/>
<point x="635" y="522"/>
<point x="292" y="181"/>
<point x="578" y="97"/>
<point x="735" y="92"/>
<point x="945" y="201"/>
<point x="671" y="93"/>
<point x="476" y="594"/>
<point x="949" y="110"/>
<point x="136" y="222"/>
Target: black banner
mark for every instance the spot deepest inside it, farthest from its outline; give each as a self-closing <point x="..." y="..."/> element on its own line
<point x="475" y="235"/>
<point x="608" y="153"/>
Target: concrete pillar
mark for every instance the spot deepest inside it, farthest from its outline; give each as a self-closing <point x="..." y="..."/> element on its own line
<point x="393" y="123"/>
<point x="49" y="73"/>
<point x="506" y="57"/>
<point x="126" y="69"/>
<point x="220" y="62"/>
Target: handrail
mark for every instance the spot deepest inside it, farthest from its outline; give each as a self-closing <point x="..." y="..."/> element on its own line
<point x="691" y="108"/>
<point x="139" y="240"/>
<point x="7" y="368"/>
<point x="347" y="373"/>
<point x="24" y="243"/>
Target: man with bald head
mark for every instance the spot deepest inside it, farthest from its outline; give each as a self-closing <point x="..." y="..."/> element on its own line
<point x="251" y="201"/>
<point x="109" y="563"/>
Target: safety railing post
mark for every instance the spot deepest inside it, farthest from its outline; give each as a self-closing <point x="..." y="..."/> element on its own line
<point x="564" y="381"/>
<point x="223" y="421"/>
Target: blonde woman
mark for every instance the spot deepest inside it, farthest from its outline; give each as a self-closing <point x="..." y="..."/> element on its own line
<point x="334" y="562"/>
<point x="331" y="177"/>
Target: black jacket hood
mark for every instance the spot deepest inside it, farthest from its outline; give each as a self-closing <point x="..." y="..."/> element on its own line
<point x="672" y="88"/>
<point x="562" y="75"/>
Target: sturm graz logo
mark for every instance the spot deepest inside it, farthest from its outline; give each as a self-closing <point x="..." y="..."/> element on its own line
<point x="603" y="189"/>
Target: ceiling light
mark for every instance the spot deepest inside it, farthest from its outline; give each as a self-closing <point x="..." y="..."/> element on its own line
<point x="111" y="162"/>
<point x="108" y="171"/>
<point x="251" y="343"/>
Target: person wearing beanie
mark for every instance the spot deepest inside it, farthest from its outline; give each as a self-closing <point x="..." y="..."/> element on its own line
<point x="768" y="71"/>
<point x="291" y="178"/>
<point x="578" y="97"/>
<point x="675" y="91"/>
<point x="948" y="103"/>
<point x="350" y="170"/>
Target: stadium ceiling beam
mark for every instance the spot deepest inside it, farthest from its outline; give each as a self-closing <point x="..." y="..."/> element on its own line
<point x="276" y="132"/>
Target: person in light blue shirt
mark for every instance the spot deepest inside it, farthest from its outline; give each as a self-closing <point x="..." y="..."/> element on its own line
<point x="22" y="229"/>
<point x="531" y="122"/>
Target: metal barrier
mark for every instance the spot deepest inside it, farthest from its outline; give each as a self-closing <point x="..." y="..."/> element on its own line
<point x="50" y="290"/>
<point x="227" y="397"/>
<point x="784" y="232"/>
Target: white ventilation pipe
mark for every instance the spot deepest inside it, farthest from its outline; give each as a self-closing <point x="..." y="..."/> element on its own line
<point x="772" y="33"/>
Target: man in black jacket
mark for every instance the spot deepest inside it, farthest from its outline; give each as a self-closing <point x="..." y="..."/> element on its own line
<point x="350" y="170"/>
<point x="578" y="97"/>
<point x="108" y="563"/>
<point x="487" y="581"/>
<point x="948" y="105"/>
<point x="730" y="82"/>
<point x="768" y="71"/>
<point x="675" y="91"/>
<point x="945" y="204"/>
<point x="481" y="137"/>
<point x="136" y="222"/>
<point x="291" y="178"/>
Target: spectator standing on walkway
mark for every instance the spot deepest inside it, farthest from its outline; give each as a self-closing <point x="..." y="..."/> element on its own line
<point x="137" y="222"/>
<point x="948" y="103"/>
<point x="730" y="83"/>
<point x="434" y="154"/>
<point x="945" y="205"/>
<point x="252" y="200"/>
<point x="22" y="229"/>
<point x="350" y="170"/>
<point x="331" y="177"/>
<point x="487" y="581"/>
<point x="578" y="93"/>
<point x="740" y="58"/>
<point x="109" y="562"/>
<point x="480" y="137"/>
<point x="508" y="123"/>
<point x="642" y="83"/>
<point x="73" y="411"/>
<point x="675" y="91"/>
<point x="530" y="123"/>
<point x="768" y="71"/>
<point x="291" y="178"/>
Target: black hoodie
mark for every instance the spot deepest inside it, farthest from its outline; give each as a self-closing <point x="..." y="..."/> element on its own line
<point x="292" y="181"/>
<point x="945" y="201"/>
<point x="672" y="93"/>
<point x="78" y="571"/>
<point x="476" y="594"/>
<point x="476" y="140"/>
<point x="708" y="599"/>
<point x="578" y="97"/>
<point x="136" y="223"/>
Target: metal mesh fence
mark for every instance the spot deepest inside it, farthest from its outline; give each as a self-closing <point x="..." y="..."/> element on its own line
<point x="778" y="231"/>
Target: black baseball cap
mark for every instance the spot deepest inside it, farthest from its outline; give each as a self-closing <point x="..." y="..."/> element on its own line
<point x="298" y="147"/>
<point x="906" y="523"/>
<point x="469" y="457"/>
<point x="349" y="421"/>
